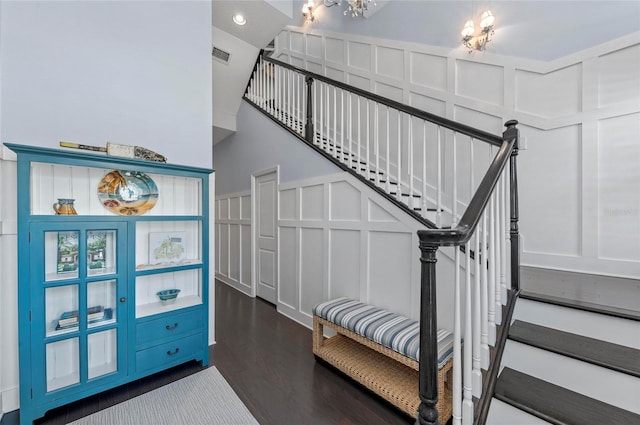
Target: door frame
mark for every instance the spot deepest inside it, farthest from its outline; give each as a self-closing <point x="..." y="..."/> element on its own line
<point x="254" y="234"/>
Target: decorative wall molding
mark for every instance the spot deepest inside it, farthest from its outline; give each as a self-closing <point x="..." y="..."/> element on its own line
<point x="579" y="117"/>
<point x="233" y="241"/>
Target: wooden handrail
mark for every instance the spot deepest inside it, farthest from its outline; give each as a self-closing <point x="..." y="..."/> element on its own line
<point x="444" y="122"/>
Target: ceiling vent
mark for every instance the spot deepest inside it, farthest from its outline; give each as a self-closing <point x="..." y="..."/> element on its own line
<point x="220" y="55"/>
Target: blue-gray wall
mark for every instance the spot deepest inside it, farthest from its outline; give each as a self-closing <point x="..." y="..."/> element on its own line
<point x="259" y="144"/>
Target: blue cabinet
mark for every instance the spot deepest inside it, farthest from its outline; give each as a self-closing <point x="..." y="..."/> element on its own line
<point x="90" y="314"/>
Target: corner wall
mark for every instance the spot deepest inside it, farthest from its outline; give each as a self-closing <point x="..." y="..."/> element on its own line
<point x="135" y="73"/>
<point x="579" y="121"/>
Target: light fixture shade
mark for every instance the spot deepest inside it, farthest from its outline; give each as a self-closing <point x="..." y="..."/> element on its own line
<point x="486" y="19"/>
<point x="468" y="29"/>
<point x="305" y="8"/>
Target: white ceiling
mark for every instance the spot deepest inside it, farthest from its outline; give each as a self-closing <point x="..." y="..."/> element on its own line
<point x="264" y="22"/>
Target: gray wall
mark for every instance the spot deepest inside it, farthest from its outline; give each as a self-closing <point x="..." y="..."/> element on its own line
<point x="136" y="73"/>
<point x="260" y="144"/>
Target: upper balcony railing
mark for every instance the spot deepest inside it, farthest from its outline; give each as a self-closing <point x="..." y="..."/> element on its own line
<point x="459" y="181"/>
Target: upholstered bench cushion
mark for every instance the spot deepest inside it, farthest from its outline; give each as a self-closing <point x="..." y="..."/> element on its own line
<point x="391" y="330"/>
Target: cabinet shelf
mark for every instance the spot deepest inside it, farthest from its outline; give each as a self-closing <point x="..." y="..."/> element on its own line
<point x="150" y="309"/>
<point x="144" y="269"/>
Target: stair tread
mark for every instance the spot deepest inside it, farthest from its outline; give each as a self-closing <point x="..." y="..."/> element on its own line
<point x="556" y="404"/>
<point x="606" y="354"/>
<point x="581" y="305"/>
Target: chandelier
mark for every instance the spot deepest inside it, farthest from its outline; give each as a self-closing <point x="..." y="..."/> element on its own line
<point x="354" y="7"/>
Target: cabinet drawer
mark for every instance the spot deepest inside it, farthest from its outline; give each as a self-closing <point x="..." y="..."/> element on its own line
<point x="172" y="326"/>
<point x="169" y="352"/>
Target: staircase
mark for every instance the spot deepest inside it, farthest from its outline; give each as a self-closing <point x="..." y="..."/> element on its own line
<point x="568" y="363"/>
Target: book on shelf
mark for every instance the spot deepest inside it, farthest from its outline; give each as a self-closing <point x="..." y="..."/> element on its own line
<point x="71" y="317"/>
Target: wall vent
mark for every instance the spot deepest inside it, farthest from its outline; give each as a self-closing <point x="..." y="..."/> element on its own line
<point x="220" y="55"/>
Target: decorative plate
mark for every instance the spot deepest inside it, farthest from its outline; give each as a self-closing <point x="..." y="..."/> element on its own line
<point x="127" y="192"/>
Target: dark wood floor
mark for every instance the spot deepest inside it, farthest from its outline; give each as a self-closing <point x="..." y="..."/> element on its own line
<point x="267" y="360"/>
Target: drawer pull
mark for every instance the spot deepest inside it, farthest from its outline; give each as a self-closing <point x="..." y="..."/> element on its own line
<point x="170" y="353"/>
<point x="170" y="328"/>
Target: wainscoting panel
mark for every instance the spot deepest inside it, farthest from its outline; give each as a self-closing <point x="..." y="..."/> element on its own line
<point x="233" y="240"/>
<point x="314" y="46"/>
<point x="334" y="50"/>
<point x="572" y="111"/>
<point x="345" y="250"/>
<point x="359" y="55"/>
<point x="390" y="62"/>
<point x="287" y="269"/>
<point x="312" y="270"/>
<point x="345" y="202"/>
<point x="619" y="77"/>
<point x="555" y="94"/>
<point x="480" y="81"/>
<point x="389" y="269"/>
<point x="619" y="187"/>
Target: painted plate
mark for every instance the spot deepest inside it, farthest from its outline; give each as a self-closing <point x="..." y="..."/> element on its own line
<point x="127" y="192"/>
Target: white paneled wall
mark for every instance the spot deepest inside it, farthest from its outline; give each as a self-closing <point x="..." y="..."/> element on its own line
<point x="579" y="121"/>
<point x="336" y="237"/>
<point x="8" y="282"/>
<point x="233" y="241"/>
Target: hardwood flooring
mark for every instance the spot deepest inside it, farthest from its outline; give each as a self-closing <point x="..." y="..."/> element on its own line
<point x="267" y="360"/>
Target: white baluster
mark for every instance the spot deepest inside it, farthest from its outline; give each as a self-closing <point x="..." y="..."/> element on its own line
<point x="342" y="153"/>
<point x="497" y="257"/>
<point x="424" y="169"/>
<point x="454" y="189"/>
<point x="367" y="148"/>
<point x="467" y="379"/>
<point x="477" y="352"/>
<point x="410" y="156"/>
<point x="335" y="122"/>
<point x="457" y="343"/>
<point x="319" y="130"/>
<point x="359" y="137"/>
<point x="484" y="330"/>
<point x="439" y="181"/>
<point x="350" y="135"/>
<point x="376" y="144"/>
<point x="388" y="157"/>
<point x="492" y="270"/>
<point x="399" y="188"/>
<point x="505" y="237"/>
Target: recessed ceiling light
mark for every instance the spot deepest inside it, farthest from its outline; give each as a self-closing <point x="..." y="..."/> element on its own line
<point x="239" y="19"/>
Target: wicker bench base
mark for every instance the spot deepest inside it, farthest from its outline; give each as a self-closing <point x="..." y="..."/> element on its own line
<point x="381" y="370"/>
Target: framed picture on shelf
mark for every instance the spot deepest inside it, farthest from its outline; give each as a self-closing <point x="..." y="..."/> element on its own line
<point x="67" y="252"/>
<point x="96" y="250"/>
<point x="166" y="247"/>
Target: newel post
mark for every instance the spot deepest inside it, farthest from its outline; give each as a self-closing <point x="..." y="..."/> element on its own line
<point x="428" y="372"/>
<point x="512" y="132"/>
<point x="308" y="128"/>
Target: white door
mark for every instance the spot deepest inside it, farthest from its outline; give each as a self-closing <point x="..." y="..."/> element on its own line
<point x="266" y="235"/>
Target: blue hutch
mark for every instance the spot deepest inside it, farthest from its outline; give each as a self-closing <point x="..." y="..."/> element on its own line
<point x="91" y="285"/>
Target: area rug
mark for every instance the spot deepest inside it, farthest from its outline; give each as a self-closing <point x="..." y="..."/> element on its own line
<point x="204" y="398"/>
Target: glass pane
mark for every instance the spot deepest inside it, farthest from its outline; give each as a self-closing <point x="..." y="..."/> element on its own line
<point x="63" y="365"/>
<point x="101" y="252"/>
<point x="61" y="309"/>
<point x="101" y="303"/>
<point x="188" y="284"/>
<point x="61" y="255"/>
<point x="102" y="351"/>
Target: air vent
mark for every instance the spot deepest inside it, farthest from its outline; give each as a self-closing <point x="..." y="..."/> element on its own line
<point x="220" y="55"/>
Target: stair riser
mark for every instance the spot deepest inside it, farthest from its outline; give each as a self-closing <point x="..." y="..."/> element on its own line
<point x="593" y="325"/>
<point x="617" y="389"/>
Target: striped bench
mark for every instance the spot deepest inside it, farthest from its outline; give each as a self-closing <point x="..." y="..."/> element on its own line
<point x="380" y="350"/>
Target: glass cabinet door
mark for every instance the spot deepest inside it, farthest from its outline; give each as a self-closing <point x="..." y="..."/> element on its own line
<point x="81" y="285"/>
